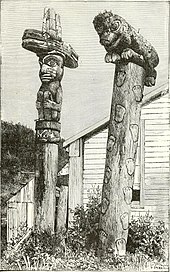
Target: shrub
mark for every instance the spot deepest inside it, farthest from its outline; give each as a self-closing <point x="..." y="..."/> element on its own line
<point x="46" y="251"/>
<point x="37" y="248"/>
<point x="3" y="243"/>
<point x="146" y="237"/>
<point x="84" y="230"/>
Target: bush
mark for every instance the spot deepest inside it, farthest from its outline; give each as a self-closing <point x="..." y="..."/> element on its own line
<point x="3" y="243"/>
<point x="46" y="251"/>
<point x="146" y="237"/>
<point x="39" y="246"/>
<point x="84" y="230"/>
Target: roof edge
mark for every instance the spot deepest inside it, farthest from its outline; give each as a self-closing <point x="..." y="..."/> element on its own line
<point x="153" y="95"/>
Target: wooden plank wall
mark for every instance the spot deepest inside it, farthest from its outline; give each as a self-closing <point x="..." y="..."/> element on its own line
<point x="94" y="163"/>
<point x="20" y="210"/>
<point x="155" y="161"/>
<point x="75" y="176"/>
<point x="157" y="143"/>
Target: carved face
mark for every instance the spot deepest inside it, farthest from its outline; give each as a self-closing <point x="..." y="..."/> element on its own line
<point x="112" y="30"/>
<point x="51" y="67"/>
<point x="109" y="34"/>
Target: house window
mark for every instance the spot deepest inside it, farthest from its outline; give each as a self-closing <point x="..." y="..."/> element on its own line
<point x="135" y="195"/>
<point x="137" y="190"/>
<point x="137" y="180"/>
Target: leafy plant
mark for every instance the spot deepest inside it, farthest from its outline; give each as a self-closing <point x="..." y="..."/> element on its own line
<point x="144" y="237"/>
<point x="84" y="230"/>
<point x="147" y="238"/>
<point x="76" y="249"/>
<point x="39" y="246"/>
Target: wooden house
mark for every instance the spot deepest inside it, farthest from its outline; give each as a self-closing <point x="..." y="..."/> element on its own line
<point x="20" y="207"/>
<point x="20" y="210"/>
<point x="87" y="152"/>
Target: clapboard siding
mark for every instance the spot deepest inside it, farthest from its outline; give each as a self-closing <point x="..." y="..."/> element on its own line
<point x="155" y="122"/>
<point x="155" y="156"/>
<point x="157" y="142"/>
<point x="75" y="176"/>
<point x="20" y="210"/>
<point x="94" y="164"/>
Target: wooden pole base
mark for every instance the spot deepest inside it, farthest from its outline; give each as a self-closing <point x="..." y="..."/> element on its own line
<point x="62" y="209"/>
<point x="45" y="185"/>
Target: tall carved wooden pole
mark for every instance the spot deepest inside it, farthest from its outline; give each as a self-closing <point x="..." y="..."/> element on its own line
<point x="53" y="55"/>
<point x="135" y="60"/>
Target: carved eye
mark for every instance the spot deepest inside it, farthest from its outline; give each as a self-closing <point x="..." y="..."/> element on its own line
<point x="115" y="26"/>
<point x="51" y="63"/>
<point x="99" y="29"/>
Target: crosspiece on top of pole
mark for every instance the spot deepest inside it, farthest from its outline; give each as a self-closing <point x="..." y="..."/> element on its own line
<point x="50" y="39"/>
<point x="54" y="54"/>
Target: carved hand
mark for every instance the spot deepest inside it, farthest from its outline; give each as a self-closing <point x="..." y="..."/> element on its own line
<point x="52" y="105"/>
<point x="129" y="53"/>
<point x="111" y="58"/>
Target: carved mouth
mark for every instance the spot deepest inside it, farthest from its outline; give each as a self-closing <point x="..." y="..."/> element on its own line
<point x="104" y="42"/>
<point x="46" y="77"/>
<point x="113" y="44"/>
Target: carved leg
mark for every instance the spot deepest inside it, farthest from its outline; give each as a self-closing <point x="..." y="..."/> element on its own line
<point x="150" y="79"/>
<point x="112" y="58"/>
<point x="129" y="54"/>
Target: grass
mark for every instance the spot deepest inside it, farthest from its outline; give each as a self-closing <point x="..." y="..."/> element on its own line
<point x="83" y="261"/>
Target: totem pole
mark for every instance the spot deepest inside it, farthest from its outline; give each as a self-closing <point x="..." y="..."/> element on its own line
<point x="53" y="55"/>
<point x="135" y="60"/>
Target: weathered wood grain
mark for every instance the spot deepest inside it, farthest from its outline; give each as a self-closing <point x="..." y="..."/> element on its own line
<point x="121" y="156"/>
<point x="45" y="185"/>
<point x="62" y="209"/>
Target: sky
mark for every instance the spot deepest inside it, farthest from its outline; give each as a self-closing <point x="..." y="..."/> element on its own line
<point x="87" y="90"/>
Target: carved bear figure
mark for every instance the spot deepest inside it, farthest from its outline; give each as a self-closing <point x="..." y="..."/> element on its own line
<point x="122" y="41"/>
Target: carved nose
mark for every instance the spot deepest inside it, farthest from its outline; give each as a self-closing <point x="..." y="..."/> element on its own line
<point x="45" y="69"/>
<point x="102" y="41"/>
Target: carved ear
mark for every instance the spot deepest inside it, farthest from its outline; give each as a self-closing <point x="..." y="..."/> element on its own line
<point x="125" y="33"/>
<point x="124" y="28"/>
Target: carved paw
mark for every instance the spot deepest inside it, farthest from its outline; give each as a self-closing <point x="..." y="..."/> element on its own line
<point x="127" y="194"/>
<point x="111" y="58"/>
<point x="130" y="165"/>
<point x="150" y="81"/>
<point x="49" y="104"/>
<point x="128" y="54"/>
<point x="124" y="218"/>
<point x="121" y="246"/>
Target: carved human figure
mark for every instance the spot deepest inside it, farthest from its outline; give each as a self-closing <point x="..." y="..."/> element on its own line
<point x="49" y="96"/>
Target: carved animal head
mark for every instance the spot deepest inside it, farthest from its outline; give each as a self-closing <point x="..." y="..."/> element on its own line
<point x="51" y="67"/>
<point x="113" y="30"/>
